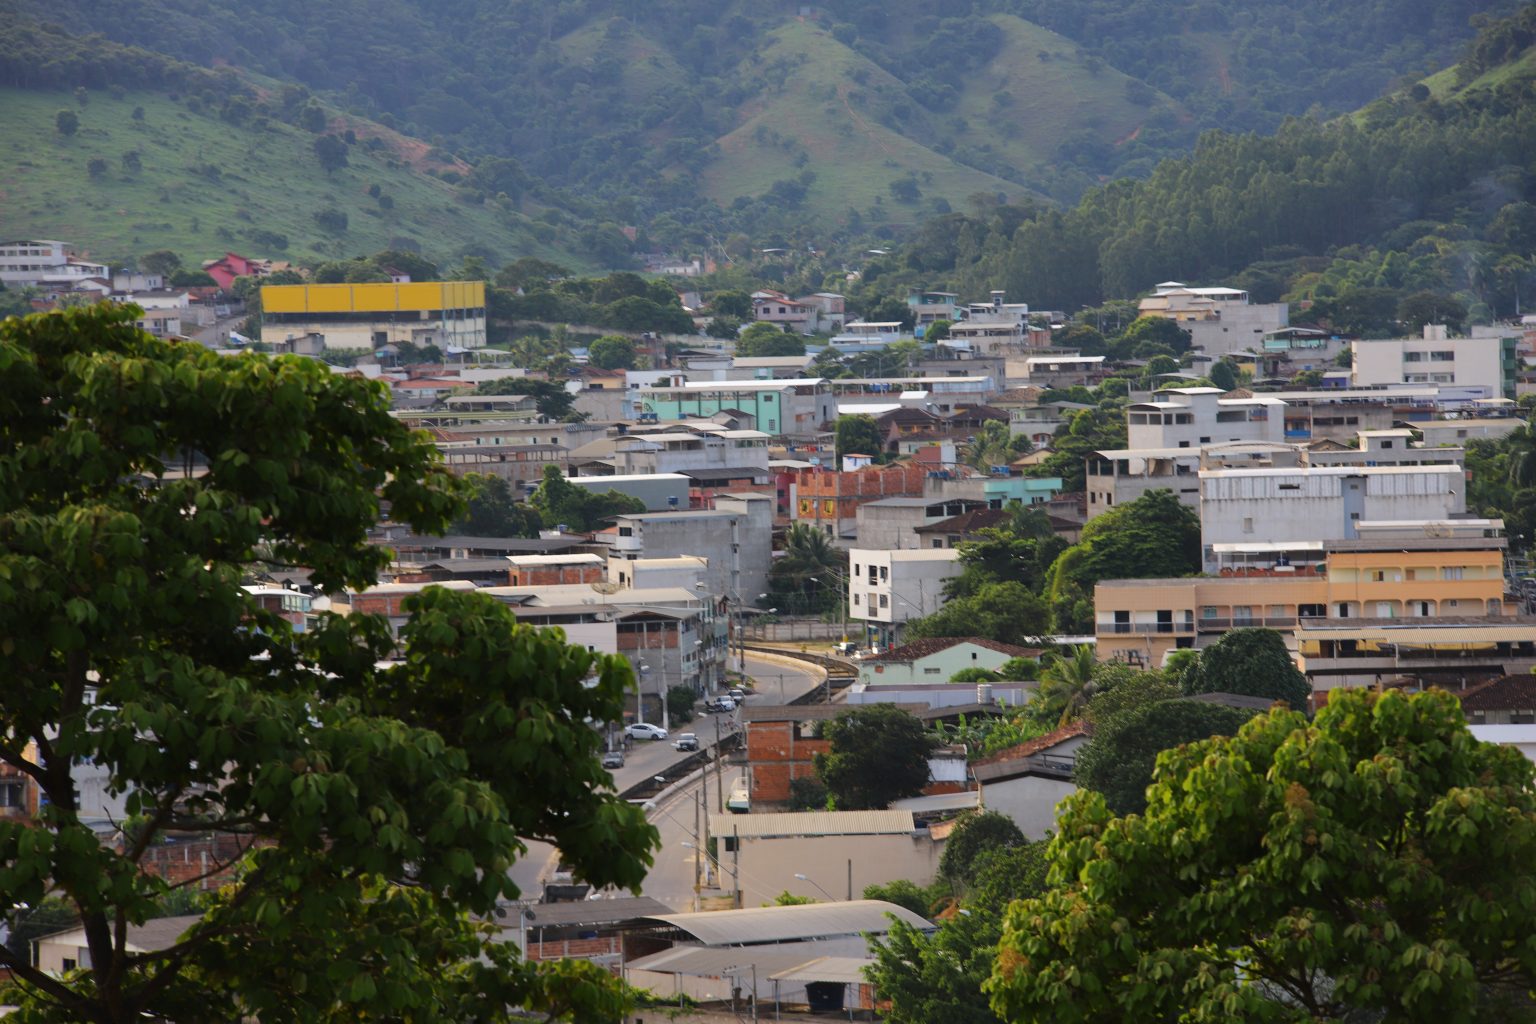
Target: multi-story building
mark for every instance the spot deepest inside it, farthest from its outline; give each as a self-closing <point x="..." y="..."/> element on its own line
<point x="1220" y="321"/>
<point x="1423" y="574"/>
<point x="929" y="306"/>
<point x="735" y="538"/>
<point x="995" y="328"/>
<point x="45" y="263"/>
<point x="890" y="524"/>
<point x="797" y="408"/>
<point x="366" y="317"/>
<point x="1117" y="476"/>
<point x="1486" y="363"/>
<point x="1190" y="417"/>
<point x="812" y="314"/>
<point x="829" y="500"/>
<point x="1310" y="504"/>
<point x="554" y="570"/>
<point x="887" y="589"/>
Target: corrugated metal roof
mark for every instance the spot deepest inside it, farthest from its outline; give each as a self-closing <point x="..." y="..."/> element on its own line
<point x="788" y="924"/>
<point x="714" y="962"/>
<point x="812" y="823"/>
<point x="847" y="969"/>
<point x="586" y="912"/>
<point x="1513" y="633"/>
<point x="940" y="802"/>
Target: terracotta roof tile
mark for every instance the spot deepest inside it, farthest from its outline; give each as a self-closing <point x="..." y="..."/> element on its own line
<point x="1030" y="748"/>
<point x="1511" y="693"/>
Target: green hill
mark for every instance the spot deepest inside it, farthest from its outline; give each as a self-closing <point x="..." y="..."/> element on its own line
<point x="696" y="119"/>
<point x="202" y="184"/>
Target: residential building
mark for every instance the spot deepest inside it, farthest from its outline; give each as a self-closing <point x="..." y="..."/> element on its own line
<point x="366" y="317"/>
<point x="928" y="306"/>
<point x="231" y="265"/>
<point x="819" y="313"/>
<point x="1510" y="700"/>
<point x="995" y="328"/>
<point x="891" y="524"/>
<point x="867" y="335"/>
<point x="796" y="408"/>
<point x="761" y="368"/>
<point x="829" y="500"/>
<point x="1063" y="371"/>
<point x="936" y="660"/>
<point x="162" y="323"/>
<point x="520" y="465"/>
<point x="1451" y="652"/>
<point x="735" y="538"/>
<point x="1027" y="781"/>
<point x="1489" y="364"/>
<point x="1321" y="503"/>
<point x="1190" y="417"/>
<point x="1001" y="487"/>
<point x="1456" y="431"/>
<point x="938" y="395"/>
<point x="742" y="453"/>
<point x="685" y="572"/>
<point x="1220" y="321"/>
<point x="582" y="930"/>
<point x="659" y="491"/>
<point x="555" y="570"/>
<point x="1392" y="571"/>
<point x="46" y="263"/>
<point x="58" y="953"/>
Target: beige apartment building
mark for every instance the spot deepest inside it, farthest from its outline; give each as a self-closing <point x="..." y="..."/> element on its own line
<point x="1394" y="575"/>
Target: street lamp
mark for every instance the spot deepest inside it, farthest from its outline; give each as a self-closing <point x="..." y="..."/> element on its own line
<point x="806" y="878"/>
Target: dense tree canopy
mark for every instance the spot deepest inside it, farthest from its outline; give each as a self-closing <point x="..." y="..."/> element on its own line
<point x="1375" y="861"/>
<point x="879" y="753"/>
<point x="612" y="352"/>
<point x="1251" y="661"/>
<point x="858" y="435"/>
<point x="379" y="805"/>
<point x="562" y="503"/>
<point x="491" y="510"/>
<point x="764" y="339"/>
<point x="1118" y="760"/>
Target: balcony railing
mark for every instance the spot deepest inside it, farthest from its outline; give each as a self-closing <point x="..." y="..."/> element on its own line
<point x="1146" y="627"/>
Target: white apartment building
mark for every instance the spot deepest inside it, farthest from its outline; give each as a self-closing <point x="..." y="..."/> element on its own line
<point x="1191" y="417"/>
<point x="1220" y="321"/>
<point x="889" y="588"/>
<point x="1305" y="505"/>
<point x="45" y="262"/>
<point x="1485" y="363"/>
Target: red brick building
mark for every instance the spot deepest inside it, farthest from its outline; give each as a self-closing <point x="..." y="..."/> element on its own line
<point x="830" y="500"/>
<point x="555" y="570"/>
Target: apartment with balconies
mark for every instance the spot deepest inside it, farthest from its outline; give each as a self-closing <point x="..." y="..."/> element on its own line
<point x="1395" y="574"/>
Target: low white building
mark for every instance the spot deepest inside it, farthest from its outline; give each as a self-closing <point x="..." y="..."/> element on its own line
<point x="45" y="263"/>
<point x="936" y="659"/>
<point x="889" y="588"/>
<point x="1190" y="417"/>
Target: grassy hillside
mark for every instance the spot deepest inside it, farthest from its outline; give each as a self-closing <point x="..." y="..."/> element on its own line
<point x="819" y="110"/>
<point x="204" y="185"/>
<point x="823" y="108"/>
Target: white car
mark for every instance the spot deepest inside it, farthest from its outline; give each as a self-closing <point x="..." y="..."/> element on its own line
<point x="645" y="731"/>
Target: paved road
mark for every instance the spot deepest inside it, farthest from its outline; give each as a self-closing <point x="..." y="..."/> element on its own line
<point x="671" y="877"/>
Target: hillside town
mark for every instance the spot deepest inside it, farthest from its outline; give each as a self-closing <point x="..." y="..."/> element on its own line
<point x="956" y="531"/>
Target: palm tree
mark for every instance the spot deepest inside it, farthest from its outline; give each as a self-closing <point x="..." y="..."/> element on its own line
<point x="1522" y="456"/>
<point x="1067" y="682"/>
<point x="809" y="569"/>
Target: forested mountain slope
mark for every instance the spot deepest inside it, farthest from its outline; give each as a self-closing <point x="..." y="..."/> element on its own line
<point x="682" y="107"/>
<point x="1430" y="190"/>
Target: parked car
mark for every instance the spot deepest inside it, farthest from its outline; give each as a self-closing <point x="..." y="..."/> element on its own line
<point x="645" y="731"/>
<point x="687" y="741"/>
<point x="737" y="694"/>
<point x="845" y="648"/>
<point x="613" y="759"/>
<point x="720" y="704"/>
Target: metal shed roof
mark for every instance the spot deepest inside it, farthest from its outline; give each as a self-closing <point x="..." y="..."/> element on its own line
<point x="790" y="924"/>
<point x="846" y="969"/>
<point x="812" y="823"/>
<point x="712" y="962"/>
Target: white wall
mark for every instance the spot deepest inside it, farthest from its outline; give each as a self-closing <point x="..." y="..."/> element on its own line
<point x="911" y="583"/>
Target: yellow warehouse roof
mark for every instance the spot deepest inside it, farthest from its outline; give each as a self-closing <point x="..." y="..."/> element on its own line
<point x="373" y="298"/>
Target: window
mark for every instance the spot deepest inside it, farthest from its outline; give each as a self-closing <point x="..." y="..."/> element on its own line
<point x="1247" y="524"/>
<point x="937" y="542"/>
<point x="885" y="572"/>
<point x="1442" y="357"/>
<point x="885" y="601"/>
<point x="931" y="671"/>
<point x="12" y="794"/>
<point x="858" y="599"/>
<point x="1453" y="572"/>
<point x="626" y="531"/>
<point x="1413" y="357"/>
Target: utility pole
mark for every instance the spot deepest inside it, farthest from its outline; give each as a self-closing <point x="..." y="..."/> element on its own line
<point x="719" y="785"/>
<point x="697" y="801"/>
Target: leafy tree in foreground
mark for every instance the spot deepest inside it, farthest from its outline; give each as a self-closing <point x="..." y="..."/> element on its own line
<point x="879" y="753"/>
<point x="1251" y="661"/>
<point x="1118" y="761"/>
<point x="380" y="806"/>
<point x="1375" y="861"/>
<point x="938" y="979"/>
<point x="1005" y="612"/>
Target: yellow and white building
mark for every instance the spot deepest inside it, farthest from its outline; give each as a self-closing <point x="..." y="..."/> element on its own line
<point x="366" y="317"/>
